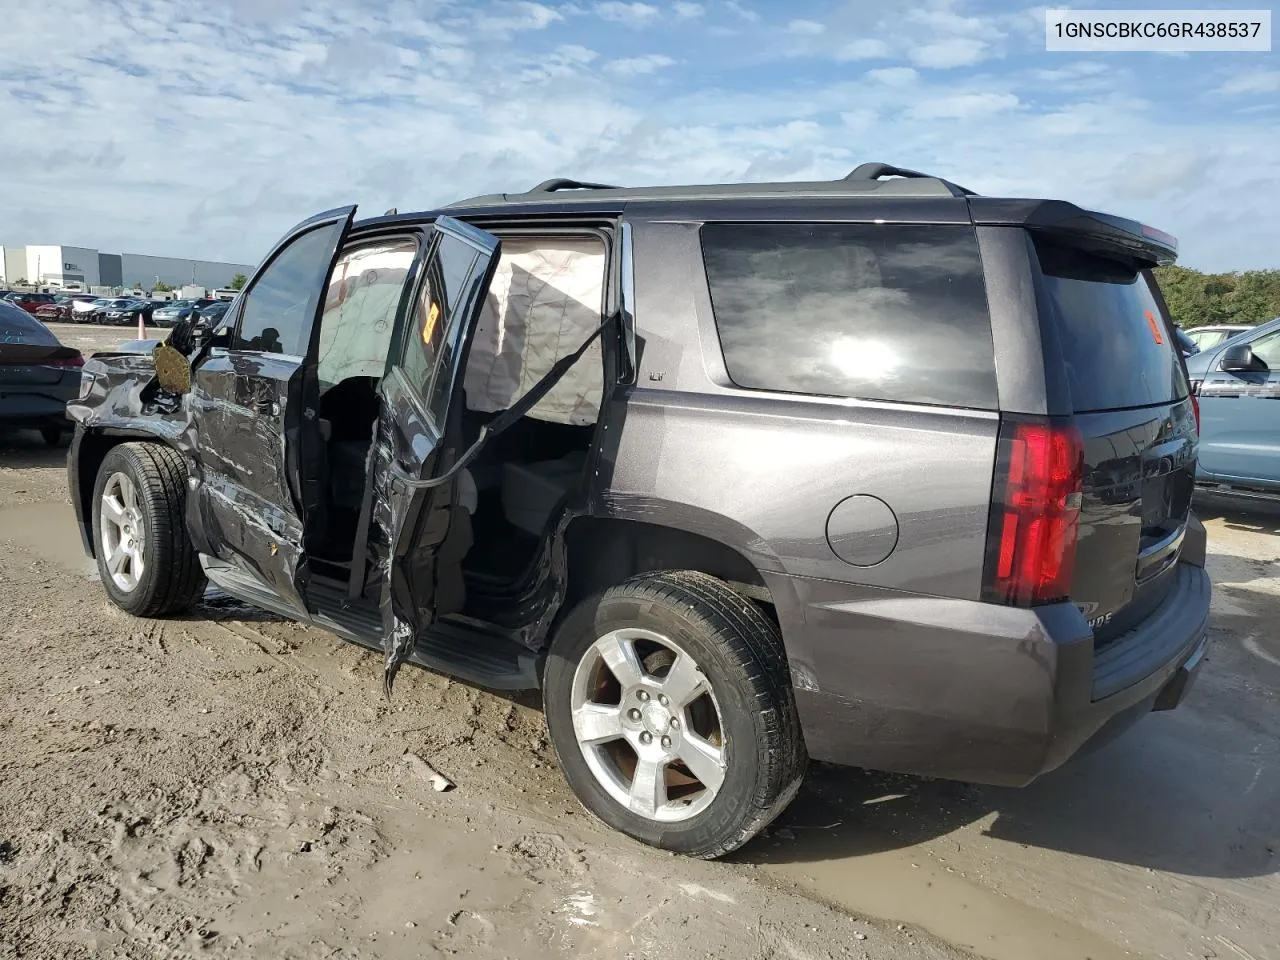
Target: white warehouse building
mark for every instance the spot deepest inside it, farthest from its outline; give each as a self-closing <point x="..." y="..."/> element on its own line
<point x="58" y="265"/>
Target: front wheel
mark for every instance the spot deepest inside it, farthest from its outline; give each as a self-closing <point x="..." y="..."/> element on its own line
<point x="669" y="703"/>
<point x="145" y="558"/>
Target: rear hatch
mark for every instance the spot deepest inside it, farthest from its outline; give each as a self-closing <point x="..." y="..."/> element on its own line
<point x="1136" y="418"/>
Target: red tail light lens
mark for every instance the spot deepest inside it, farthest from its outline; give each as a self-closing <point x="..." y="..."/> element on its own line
<point x="76" y="361"/>
<point x="1195" y="407"/>
<point x="1035" y="513"/>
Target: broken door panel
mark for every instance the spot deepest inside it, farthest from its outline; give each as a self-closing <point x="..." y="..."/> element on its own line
<point x="421" y="531"/>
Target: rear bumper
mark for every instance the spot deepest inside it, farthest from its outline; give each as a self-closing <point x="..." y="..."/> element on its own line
<point x="37" y="404"/>
<point x="976" y="692"/>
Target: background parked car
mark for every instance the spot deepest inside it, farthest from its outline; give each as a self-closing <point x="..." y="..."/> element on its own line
<point x="38" y="375"/>
<point x="123" y="313"/>
<point x="177" y="310"/>
<point x="81" y="306"/>
<point x="31" y="302"/>
<point x="213" y="311"/>
<point x="58" y="311"/>
<point x="1238" y="384"/>
<point x="1211" y="336"/>
<point x="92" y="311"/>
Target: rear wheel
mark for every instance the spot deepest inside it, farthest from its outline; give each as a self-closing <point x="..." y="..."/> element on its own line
<point x="670" y="707"/>
<point x="53" y="436"/>
<point x="145" y="558"/>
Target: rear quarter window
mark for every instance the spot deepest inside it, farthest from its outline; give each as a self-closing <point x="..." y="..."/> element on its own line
<point x="18" y="326"/>
<point x="873" y="311"/>
<point x="1118" y="350"/>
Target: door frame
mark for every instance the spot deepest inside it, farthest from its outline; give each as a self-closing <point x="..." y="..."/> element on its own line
<point x="293" y="422"/>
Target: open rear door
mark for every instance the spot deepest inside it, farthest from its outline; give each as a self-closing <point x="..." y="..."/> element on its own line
<point x="420" y="534"/>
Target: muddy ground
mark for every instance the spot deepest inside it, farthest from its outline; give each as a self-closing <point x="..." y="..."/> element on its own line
<point x="231" y="784"/>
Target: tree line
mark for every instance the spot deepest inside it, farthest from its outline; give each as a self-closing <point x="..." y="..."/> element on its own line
<point x="1196" y="298"/>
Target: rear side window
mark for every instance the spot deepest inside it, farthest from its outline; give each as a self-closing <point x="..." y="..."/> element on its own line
<point x="435" y="334"/>
<point x="874" y="311"/>
<point x="18" y="326"/>
<point x="1116" y="346"/>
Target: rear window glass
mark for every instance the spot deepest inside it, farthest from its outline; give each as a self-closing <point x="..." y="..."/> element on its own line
<point x="18" y="326"/>
<point x="874" y="311"/>
<point x="1117" y="348"/>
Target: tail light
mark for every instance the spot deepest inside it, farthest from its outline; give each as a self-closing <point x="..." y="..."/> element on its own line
<point x="1195" y="402"/>
<point x="75" y="361"/>
<point x="1035" y="513"/>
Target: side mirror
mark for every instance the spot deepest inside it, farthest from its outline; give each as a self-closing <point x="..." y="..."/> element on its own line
<point x="206" y="335"/>
<point x="1238" y="359"/>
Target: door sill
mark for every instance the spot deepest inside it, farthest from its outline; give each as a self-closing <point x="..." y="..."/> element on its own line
<point x="467" y="649"/>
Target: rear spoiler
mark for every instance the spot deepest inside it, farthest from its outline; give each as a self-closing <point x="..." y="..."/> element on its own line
<point x="1100" y="233"/>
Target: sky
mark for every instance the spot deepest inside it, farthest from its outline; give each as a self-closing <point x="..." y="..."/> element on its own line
<point x="207" y="128"/>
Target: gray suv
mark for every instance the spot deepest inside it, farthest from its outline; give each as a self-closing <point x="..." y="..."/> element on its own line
<point x="874" y="471"/>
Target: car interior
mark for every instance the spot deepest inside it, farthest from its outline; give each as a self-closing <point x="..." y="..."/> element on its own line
<point x="546" y="298"/>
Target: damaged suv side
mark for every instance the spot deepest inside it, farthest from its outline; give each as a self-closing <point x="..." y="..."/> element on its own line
<point x="735" y="474"/>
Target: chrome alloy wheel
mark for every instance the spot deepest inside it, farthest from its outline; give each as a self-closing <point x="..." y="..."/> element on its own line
<point x="122" y="537"/>
<point x="648" y="725"/>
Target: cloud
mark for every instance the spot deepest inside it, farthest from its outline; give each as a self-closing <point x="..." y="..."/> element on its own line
<point x="1257" y="81"/>
<point x="865" y="49"/>
<point x="893" y="76"/>
<point x="688" y="11"/>
<point x="742" y="10"/>
<point x="631" y="14"/>
<point x="250" y="122"/>
<point x="1148" y="174"/>
<point x="806" y="28"/>
<point x="638" y="66"/>
<point x="963" y="106"/>
<point x="1073" y="71"/>
<point x="946" y="54"/>
<point x="520" y="15"/>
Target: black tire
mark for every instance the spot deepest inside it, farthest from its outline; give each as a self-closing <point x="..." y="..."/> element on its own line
<point x="740" y="652"/>
<point x="172" y="579"/>
<point x="53" y="436"/>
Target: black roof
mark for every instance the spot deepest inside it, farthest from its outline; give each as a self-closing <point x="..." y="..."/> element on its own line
<point x="907" y="192"/>
<point x="869" y="179"/>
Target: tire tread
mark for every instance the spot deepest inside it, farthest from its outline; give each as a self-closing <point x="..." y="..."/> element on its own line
<point x="752" y="642"/>
<point x="161" y="474"/>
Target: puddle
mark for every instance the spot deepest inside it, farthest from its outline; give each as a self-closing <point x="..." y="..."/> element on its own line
<point x="49" y="531"/>
<point x="837" y="856"/>
<point x="918" y="892"/>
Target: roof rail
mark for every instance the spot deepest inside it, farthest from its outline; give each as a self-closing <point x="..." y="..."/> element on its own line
<point x="563" y="183"/>
<point x="874" y="171"/>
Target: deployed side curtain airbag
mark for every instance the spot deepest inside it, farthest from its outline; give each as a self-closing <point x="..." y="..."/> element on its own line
<point x="545" y="300"/>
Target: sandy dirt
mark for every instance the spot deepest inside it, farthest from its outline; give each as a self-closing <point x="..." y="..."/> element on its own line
<point x="232" y="784"/>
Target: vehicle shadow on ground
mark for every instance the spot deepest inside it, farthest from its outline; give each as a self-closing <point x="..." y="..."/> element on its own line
<point x="1246" y="515"/>
<point x="22" y="449"/>
<point x="1148" y="799"/>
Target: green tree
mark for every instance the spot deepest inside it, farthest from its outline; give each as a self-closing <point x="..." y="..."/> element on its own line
<point x="238" y="281"/>
<point x="1196" y="298"/>
<point x="161" y="287"/>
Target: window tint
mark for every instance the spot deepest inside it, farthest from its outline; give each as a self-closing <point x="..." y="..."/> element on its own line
<point x="433" y="334"/>
<point x="281" y="306"/>
<point x="360" y="309"/>
<point x="1114" y="340"/>
<point x="884" y="312"/>
<point x="18" y="326"/>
